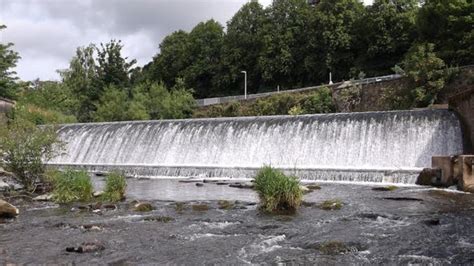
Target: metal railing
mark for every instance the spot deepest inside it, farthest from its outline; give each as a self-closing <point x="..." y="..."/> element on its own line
<point x="226" y="99"/>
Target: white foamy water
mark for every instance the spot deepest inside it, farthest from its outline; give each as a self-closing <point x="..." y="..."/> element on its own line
<point x="372" y="147"/>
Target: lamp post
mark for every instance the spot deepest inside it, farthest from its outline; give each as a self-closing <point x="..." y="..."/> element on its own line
<point x="245" y="83"/>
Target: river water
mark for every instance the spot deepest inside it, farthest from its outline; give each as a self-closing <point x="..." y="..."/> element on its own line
<point x="411" y="224"/>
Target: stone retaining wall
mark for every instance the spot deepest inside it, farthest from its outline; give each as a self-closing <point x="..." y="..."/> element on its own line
<point x="463" y="104"/>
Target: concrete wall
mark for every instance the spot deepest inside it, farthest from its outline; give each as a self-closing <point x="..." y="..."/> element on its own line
<point x="463" y="104"/>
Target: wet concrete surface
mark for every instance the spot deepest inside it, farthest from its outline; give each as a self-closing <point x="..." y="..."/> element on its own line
<point x="430" y="227"/>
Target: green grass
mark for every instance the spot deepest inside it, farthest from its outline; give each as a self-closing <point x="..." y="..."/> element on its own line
<point x="115" y="185"/>
<point x="278" y="193"/>
<point x="71" y="186"/>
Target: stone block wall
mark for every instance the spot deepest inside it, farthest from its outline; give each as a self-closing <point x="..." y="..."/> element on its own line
<point x="463" y="105"/>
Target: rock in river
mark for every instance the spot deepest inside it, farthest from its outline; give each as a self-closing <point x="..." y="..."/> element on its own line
<point x="8" y="210"/>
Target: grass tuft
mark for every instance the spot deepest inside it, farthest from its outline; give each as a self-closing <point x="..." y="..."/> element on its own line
<point x="278" y="193"/>
<point x="71" y="185"/>
<point x="115" y="186"/>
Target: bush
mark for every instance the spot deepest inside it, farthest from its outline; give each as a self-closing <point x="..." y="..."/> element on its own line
<point x="40" y="116"/>
<point x="319" y="101"/>
<point x="71" y="185"/>
<point x="115" y="186"/>
<point x="24" y="147"/>
<point x="277" y="192"/>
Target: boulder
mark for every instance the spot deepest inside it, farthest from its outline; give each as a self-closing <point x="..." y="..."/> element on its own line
<point x="429" y="176"/>
<point x="7" y="210"/>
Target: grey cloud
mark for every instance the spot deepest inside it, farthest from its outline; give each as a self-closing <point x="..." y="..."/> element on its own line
<point x="47" y="32"/>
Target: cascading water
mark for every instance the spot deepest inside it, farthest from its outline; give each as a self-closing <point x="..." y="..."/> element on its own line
<point x="375" y="146"/>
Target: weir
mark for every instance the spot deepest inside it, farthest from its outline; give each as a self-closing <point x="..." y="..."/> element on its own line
<point x="375" y="146"/>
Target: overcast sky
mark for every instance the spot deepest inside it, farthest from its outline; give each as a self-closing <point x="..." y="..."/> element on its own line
<point x="46" y="33"/>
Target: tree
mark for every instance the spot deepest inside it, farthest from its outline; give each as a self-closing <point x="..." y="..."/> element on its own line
<point x="284" y="37"/>
<point x="330" y="38"/>
<point x="8" y="60"/>
<point x="448" y="24"/>
<point x="384" y="34"/>
<point x="172" y="60"/>
<point x="81" y="79"/>
<point x="241" y="50"/>
<point x="112" y="68"/>
<point x="427" y="72"/>
<point x="203" y="53"/>
<point x="112" y="106"/>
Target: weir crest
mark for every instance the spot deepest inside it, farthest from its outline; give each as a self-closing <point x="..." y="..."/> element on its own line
<point x="375" y="146"/>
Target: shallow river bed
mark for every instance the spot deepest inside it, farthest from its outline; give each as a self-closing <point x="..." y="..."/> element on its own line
<point x="408" y="225"/>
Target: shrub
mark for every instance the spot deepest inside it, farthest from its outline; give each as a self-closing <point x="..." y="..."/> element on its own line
<point x="24" y="147"/>
<point x="71" y="185"/>
<point x="115" y="186"/>
<point x="277" y="192"/>
<point x="295" y="110"/>
<point x="319" y="101"/>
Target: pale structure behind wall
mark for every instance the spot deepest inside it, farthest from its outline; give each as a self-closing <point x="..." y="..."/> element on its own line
<point x="5" y="106"/>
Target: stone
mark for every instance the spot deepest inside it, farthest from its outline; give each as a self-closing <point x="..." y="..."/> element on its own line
<point x="429" y="176"/>
<point x="387" y="188"/>
<point x="7" y="210"/>
<point x="225" y="205"/>
<point x="247" y="185"/>
<point x="190" y="180"/>
<point x="402" y="199"/>
<point x="6" y="173"/>
<point x="110" y="206"/>
<point x="87" y="247"/>
<point x="330" y="205"/>
<point x="313" y="187"/>
<point x="143" y="207"/>
<point x="304" y="189"/>
<point x="97" y="194"/>
<point x="44" y="197"/>
<point x="200" y="207"/>
<point x="432" y="222"/>
<point x="4" y="186"/>
<point x="161" y="219"/>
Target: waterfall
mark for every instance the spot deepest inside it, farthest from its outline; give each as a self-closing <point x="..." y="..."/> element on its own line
<point x="375" y="146"/>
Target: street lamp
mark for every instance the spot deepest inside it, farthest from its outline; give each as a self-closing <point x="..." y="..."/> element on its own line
<point x="245" y="84"/>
